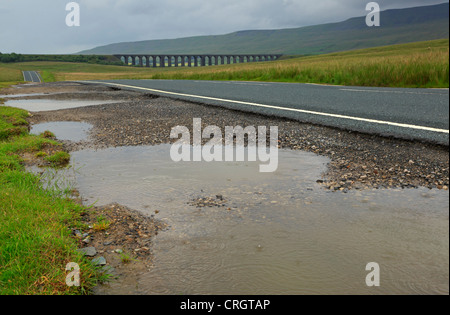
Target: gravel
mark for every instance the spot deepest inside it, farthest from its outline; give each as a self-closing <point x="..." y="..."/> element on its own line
<point x="358" y="161"/>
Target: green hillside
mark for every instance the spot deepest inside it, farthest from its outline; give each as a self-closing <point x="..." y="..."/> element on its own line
<point x="397" y="27"/>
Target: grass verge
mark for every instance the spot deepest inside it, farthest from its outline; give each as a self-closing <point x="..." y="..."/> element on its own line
<point x="35" y="223"/>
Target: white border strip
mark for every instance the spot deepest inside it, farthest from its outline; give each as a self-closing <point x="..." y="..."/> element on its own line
<point x="380" y="122"/>
<point x="24" y="76"/>
<point x="38" y="76"/>
<point x="395" y="92"/>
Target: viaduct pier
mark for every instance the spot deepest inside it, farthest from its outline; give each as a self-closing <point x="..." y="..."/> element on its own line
<point x="169" y="60"/>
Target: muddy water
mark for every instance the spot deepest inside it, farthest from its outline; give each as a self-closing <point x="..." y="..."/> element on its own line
<point x="64" y="130"/>
<point x="279" y="233"/>
<point x="22" y="95"/>
<point x="42" y="105"/>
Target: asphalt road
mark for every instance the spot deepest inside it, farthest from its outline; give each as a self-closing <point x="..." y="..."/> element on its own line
<point x="417" y="114"/>
<point x="32" y="76"/>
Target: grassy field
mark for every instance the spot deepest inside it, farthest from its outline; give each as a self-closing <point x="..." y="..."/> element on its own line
<point x="423" y="64"/>
<point x="35" y="241"/>
<point x="412" y="65"/>
<point x="9" y="74"/>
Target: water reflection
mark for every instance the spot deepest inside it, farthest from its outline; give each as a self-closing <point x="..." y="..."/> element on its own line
<point x="64" y="130"/>
<point x="42" y="105"/>
<point x="279" y="233"/>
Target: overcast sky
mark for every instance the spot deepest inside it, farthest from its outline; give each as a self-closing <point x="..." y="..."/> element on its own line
<point x="30" y="26"/>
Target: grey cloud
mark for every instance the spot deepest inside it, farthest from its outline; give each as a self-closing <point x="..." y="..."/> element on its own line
<point x="39" y="26"/>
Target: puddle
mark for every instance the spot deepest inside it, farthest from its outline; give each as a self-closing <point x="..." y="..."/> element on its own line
<point x="22" y="95"/>
<point x="57" y="180"/>
<point x="64" y="130"/>
<point x="38" y="94"/>
<point x="42" y="105"/>
<point x="279" y="233"/>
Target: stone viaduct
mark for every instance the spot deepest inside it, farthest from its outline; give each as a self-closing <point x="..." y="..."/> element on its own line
<point x="170" y="60"/>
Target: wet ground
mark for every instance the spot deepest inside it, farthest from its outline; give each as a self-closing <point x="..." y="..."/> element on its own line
<point x="277" y="233"/>
<point x="64" y="130"/>
<point x="233" y="230"/>
<point x="43" y="105"/>
<point x="358" y="161"/>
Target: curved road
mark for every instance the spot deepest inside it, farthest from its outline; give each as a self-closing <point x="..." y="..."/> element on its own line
<point x="419" y="114"/>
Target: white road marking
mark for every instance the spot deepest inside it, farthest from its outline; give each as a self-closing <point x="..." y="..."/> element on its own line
<point x="396" y="92"/>
<point x="36" y="75"/>
<point x="374" y="121"/>
<point x="323" y="85"/>
<point x="25" y="76"/>
<point x="234" y="83"/>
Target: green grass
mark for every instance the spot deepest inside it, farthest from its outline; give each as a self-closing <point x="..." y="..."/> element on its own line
<point x="47" y="76"/>
<point x="7" y="84"/>
<point x="59" y="159"/>
<point x="9" y="75"/>
<point x="35" y="223"/>
<point x="48" y="134"/>
<point x="126" y="258"/>
<point x="102" y="224"/>
<point x="12" y="123"/>
<point x="417" y="65"/>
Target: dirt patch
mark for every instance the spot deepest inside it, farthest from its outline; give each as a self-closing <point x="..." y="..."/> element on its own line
<point x="40" y="158"/>
<point x="50" y="88"/>
<point x="122" y="239"/>
<point x="209" y="202"/>
<point x="358" y="161"/>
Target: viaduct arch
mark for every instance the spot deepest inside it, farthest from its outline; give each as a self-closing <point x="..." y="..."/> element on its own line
<point x="188" y="60"/>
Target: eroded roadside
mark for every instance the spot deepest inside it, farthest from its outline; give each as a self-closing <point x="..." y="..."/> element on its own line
<point x="358" y="161"/>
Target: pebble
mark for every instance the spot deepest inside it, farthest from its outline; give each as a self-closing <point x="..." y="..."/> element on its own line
<point x="88" y="251"/>
<point x="99" y="261"/>
<point x="77" y="234"/>
<point x="203" y="202"/>
<point x="108" y="270"/>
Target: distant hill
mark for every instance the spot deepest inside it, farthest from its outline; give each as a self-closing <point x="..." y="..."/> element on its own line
<point x="397" y="27"/>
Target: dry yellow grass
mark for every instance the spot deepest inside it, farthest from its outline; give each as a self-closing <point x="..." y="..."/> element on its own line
<point x="10" y="75"/>
<point x="423" y="64"/>
<point x="413" y="65"/>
